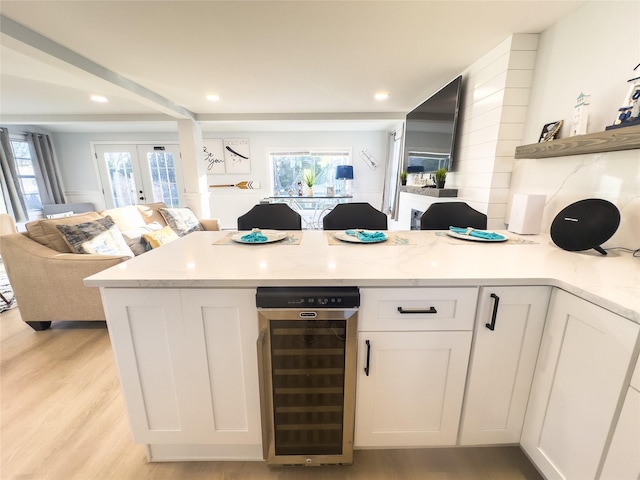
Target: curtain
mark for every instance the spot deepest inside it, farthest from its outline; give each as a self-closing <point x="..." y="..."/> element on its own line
<point x="47" y="175"/>
<point x="9" y="183"/>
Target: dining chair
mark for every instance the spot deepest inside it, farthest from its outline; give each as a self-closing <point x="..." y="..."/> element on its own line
<point x="442" y="215"/>
<point x="354" y="215"/>
<point x="276" y="216"/>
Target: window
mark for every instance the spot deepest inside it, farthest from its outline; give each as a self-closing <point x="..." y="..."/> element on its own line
<point x="429" y="161"/>
<point x="288" y="167"/>
<point x="26" y="175"/>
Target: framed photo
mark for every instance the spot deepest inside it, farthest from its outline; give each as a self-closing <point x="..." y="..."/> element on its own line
<point x="550" y="131"/>
<point x="213" y="155"/>
<point x="236" y="155"/>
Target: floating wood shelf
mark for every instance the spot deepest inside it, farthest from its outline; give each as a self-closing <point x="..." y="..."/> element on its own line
<point x="626" y="138"/>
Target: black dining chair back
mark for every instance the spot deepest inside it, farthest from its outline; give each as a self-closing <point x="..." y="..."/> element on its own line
<point x="442" y="215"/>
<point x="354" y="215"/>
<point x="276" y="216"/>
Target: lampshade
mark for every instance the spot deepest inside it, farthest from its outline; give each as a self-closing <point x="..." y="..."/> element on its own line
<point x="344" y="172"/>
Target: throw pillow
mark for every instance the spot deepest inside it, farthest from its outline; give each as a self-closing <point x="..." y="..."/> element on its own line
<point x="134" y="238"/>
<point x="100" y="237"/>
<point x="160" y="237"/>
<point x="182" y="220"/>
<point x="46" y="233"/>
<point x="150" y="213"/>
<point x="126" y="218"/>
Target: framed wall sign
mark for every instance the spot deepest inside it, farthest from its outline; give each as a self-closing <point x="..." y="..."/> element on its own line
<point x="213" y="155"/>
<point x="236" y="155"/>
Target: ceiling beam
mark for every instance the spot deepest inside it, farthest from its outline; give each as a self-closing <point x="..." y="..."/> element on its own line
<point x="29" y="37"/>
<point x="293" y="116"/>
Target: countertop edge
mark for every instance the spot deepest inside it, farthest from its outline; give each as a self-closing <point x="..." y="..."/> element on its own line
<point x="374" y="283"/>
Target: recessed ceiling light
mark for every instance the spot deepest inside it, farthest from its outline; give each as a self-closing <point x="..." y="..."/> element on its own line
<point x="213" y="98"/>
<point x="381" y="96"/>
<point x="99" y="98"/>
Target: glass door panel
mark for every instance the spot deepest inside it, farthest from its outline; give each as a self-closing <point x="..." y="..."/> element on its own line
<point x="162" y="173"/>
<point x="308" y="361"/>
<point x="134" y="174"/>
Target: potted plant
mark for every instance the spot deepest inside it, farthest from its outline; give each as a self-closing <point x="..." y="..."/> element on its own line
<point x="403" y="177"/>
<point x="441" y="176"/>
<point x="309" y="178"/>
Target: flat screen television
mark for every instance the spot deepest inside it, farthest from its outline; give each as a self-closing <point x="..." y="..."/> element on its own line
<point x="430" y="130"/>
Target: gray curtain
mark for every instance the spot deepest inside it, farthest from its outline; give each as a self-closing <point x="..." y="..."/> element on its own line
<point x="47" y="176"/>
<point x="11" y="189"/>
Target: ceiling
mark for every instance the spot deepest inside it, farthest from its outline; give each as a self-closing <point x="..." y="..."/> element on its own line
<point x="317" y="64"/>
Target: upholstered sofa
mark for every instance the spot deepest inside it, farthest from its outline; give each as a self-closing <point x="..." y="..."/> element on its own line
<point x="46" y="272"/>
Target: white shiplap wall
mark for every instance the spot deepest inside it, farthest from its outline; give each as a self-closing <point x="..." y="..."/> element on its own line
<point x="496" y="96"/>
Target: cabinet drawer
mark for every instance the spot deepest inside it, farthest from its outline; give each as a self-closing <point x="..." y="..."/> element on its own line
<point x="412" y="309"/>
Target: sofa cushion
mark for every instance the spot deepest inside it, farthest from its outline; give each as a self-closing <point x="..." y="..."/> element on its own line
<point x="135" y="239"/>
<point x="126" y="218"/>
<point x="46" y="233"/>
<point x="150" y="213"/>
<point x="160" y="237"/>
<point x="182" y="220"/>
<point x="100" y="237"/>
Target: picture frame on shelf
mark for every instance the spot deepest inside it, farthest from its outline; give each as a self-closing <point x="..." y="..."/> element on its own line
<point x="550" y="131"/>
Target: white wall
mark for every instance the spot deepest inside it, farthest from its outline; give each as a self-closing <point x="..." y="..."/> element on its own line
<point x="367" y="186"/>
<point x="496" y="94"/>
<point x="78" y="167"/>
<point x="592" y="51"/>
<point x="81" y="181"/>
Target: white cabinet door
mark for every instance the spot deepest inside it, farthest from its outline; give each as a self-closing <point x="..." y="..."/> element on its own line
<point x="584" y="359"/>
<point x="225" y="328"/>
<point x="187" y="364"/>
<point x="502" y="363"/>
<point x="623" y="458"/>
<point x="412" y="393"/>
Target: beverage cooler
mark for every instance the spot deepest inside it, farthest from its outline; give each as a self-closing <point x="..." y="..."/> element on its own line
<point x="307" y="362"/>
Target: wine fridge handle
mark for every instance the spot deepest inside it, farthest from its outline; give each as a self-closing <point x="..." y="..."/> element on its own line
<point x="366" y="367"/>
<point x="496" y="300"/>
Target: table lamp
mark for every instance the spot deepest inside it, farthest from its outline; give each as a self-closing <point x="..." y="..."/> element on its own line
<point x="344" y="173"/>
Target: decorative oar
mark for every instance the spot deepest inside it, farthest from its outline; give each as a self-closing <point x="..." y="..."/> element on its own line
<point x="248" y="185"/>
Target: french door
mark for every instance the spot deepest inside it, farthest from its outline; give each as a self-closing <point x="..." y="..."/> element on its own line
<point x="135" y="173"/>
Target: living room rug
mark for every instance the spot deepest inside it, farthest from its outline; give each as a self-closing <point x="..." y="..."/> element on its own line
<point x="6" y="290"/>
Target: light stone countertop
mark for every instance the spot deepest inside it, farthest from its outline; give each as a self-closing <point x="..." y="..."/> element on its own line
<point x="407" y="259"/>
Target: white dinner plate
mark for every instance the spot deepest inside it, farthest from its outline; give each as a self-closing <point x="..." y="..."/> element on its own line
<point x="272" y="236"/>
<point x="477" y="239"/>
<point x="345" y="237"/>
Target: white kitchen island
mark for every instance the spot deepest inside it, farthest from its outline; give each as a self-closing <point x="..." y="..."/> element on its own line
<point x="183" y="325"/>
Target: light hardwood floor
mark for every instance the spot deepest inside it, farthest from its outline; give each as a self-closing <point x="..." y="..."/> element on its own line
<point x="62" y="417"/>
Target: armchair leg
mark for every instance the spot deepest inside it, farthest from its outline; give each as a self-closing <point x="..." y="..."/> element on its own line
<point x="39" y="326"/>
